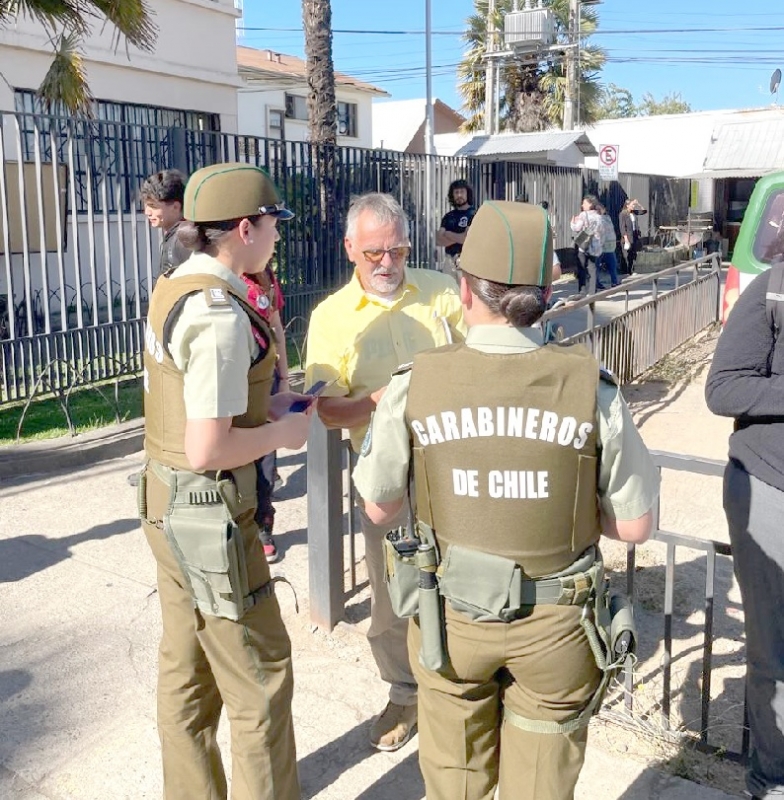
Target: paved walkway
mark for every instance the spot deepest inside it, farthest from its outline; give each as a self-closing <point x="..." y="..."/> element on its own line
<point x="80" y="625"/>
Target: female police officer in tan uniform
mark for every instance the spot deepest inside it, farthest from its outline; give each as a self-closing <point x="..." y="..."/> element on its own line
<point x="209" y="360"/>
<point x="522" y="455"/>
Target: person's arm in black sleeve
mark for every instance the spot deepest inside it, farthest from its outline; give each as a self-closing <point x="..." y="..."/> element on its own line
<point x="739" y="383"/>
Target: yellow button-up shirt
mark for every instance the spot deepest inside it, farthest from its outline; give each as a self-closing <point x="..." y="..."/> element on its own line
<point x="361" y="339"/>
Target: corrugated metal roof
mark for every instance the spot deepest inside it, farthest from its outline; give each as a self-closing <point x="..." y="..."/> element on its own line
<point x="503" y="144"/>
<point x="747" y="146"/>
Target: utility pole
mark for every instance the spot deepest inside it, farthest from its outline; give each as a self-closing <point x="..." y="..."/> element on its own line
<point x="430" y="149"/>
<point x="572" y="60"/>
<point x="490" y="71"/>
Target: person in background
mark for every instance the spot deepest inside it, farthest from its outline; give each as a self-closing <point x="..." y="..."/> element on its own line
<point x="556" y="261"/>
<point x="360" y="335"/>
<point x="746" y="382"/>
<point x="630" y="231"/>
<point x="265" y="294"/>
<point x="509" y="705"/>
<point x="587" y="227"/>
<point x="162" y="196"/>
<point x="608" y="259"/>
<point x="455" y="223"/>
<point x="208" y="415"/>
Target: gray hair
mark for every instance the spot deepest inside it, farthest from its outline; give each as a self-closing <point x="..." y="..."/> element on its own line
<point x="384" y="208"/>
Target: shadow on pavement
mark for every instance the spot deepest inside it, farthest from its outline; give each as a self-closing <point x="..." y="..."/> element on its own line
<point x="402" y="782"/>
<point x="23" y="556"/>
<point x="324" y="766"/>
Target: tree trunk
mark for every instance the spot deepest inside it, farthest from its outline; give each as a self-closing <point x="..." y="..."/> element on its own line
<point x="322" y="109"/>
<point x="322" y="121"/>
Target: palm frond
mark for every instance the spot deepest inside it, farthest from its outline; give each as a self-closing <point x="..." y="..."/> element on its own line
<point x="65" y="83"/>
<point x="132" y="20"/>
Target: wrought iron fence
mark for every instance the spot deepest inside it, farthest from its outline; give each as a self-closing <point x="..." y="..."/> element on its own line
<point x="634" y="341"/>
<point x="76" y="253"/>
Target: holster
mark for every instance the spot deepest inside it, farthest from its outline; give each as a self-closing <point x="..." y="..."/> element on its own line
<point x="202" y="532"/>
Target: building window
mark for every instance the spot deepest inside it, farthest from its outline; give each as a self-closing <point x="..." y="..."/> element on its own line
<point x="276" y="123"/>
<point x="120" y="146"/>
<point x="347" y="120"/>
<point x="296" y="107"/>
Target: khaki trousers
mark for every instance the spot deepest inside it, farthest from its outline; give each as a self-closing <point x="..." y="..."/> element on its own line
<point x="540" y="667"/>
<point x="207" y="661"/>
<point x="387" y="633"/>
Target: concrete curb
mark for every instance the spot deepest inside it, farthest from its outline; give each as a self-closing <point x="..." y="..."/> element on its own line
<point x="71" y="452"/>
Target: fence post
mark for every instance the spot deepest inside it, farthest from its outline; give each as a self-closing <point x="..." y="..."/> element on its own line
<point x="325" y="525"/>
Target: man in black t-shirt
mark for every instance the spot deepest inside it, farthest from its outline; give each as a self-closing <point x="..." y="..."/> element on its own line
<point x="456" y="222"/>
<point x="162" y="195"/>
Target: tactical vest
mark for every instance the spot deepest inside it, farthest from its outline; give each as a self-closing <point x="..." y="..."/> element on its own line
<point x="505" y="452"/>
<point x="164" y="404"/>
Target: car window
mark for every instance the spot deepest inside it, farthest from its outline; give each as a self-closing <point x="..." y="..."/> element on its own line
<point x="768" y="246"/>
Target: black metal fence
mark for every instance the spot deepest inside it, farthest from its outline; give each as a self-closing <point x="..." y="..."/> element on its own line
<point x="76" y="253"/>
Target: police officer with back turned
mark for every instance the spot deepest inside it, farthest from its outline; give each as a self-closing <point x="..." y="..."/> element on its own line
<point x="522" y="456"/>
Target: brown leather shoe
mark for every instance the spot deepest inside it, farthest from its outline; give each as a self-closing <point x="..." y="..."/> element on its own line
<point x="394" y="727"/>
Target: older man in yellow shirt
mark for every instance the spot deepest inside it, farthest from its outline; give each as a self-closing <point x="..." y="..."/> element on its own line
<point x="360" y="335"/>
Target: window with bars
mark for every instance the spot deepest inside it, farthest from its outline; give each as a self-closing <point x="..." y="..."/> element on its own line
<point x="113" y="152"/>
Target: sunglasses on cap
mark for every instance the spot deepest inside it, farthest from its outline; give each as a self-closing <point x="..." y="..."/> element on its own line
<point x="395" y="253"/>
<point x="278" y="210"/>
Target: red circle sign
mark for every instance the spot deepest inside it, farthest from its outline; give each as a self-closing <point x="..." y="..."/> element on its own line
<point x="608" y="155"/>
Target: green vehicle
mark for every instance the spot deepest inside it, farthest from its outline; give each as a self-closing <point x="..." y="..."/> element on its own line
<point x="760" y="242"/>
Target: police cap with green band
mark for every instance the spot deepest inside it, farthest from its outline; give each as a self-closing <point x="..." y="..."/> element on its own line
<point x="509" y="243"/>
<point x="231" y="191"/>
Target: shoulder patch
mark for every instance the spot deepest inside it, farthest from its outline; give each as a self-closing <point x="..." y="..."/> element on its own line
<point x="607" y="376"/>
<point x="367" y="442"/>
<point x="404" y="368"/>
<point x="215" y="296"/>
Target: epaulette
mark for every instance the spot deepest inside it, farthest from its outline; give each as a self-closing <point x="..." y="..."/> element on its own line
<point x="403" y="368"/>
<point x="607" y="376"/>
<point x="216" y="297"/>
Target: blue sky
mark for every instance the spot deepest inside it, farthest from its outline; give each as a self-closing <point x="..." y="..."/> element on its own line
<point x="726" y="68"/>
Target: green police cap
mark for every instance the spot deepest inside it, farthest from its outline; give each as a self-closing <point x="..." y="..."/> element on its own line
<point x="509" y="243"/>
<point x="231" y="191"/>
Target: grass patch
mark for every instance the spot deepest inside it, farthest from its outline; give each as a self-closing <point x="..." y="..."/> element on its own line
<point x="45" y="419"/>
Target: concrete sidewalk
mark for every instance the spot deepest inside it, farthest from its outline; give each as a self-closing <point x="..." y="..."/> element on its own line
<point x="80" y="629"/>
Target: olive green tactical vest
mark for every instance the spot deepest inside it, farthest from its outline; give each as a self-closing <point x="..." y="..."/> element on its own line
<point x="505" y="452"/>
<point x="164" y="405"/>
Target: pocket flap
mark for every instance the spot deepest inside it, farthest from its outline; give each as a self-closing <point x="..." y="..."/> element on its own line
<point x="477" y="579"/>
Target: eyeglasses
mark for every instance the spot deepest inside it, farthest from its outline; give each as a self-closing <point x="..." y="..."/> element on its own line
<point x="395" y="253"/>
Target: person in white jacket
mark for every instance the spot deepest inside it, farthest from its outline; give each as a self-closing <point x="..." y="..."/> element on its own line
<point x="587" y="227"/>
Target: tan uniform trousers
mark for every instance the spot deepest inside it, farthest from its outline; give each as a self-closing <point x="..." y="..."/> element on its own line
<point x="542" y="668"/>
<point x="207" y="661"/>
<point x="387" y="633"/>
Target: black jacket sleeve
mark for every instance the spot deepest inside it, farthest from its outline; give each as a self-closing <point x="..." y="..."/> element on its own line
<point x="744" y="380"/>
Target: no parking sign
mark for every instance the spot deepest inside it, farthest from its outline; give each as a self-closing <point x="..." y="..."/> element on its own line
<point x="608" y="162"/>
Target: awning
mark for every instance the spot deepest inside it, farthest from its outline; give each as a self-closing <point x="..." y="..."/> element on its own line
<point x="717" y="174"/>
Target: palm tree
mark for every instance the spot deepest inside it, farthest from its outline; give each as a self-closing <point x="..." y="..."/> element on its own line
<point x="532" y="94"/>
<point x="67" y="22"/>
<point x="322" y="108"/>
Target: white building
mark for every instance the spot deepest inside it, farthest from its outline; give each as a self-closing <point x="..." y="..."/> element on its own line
<point x="70" y="234"/>
<point x="400" y="124"/>
<point x="272" y="102"/>
<point x="192" y="69"/>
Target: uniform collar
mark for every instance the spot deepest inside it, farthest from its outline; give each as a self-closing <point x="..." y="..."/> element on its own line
<point x="503" y="337"/>
<point x="201" y="263"/>
<point x="360" y="298"/>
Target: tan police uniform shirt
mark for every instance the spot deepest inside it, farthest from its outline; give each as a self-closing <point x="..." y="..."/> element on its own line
<point x="213" y="345"/>
<point x="628" y="482"/>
